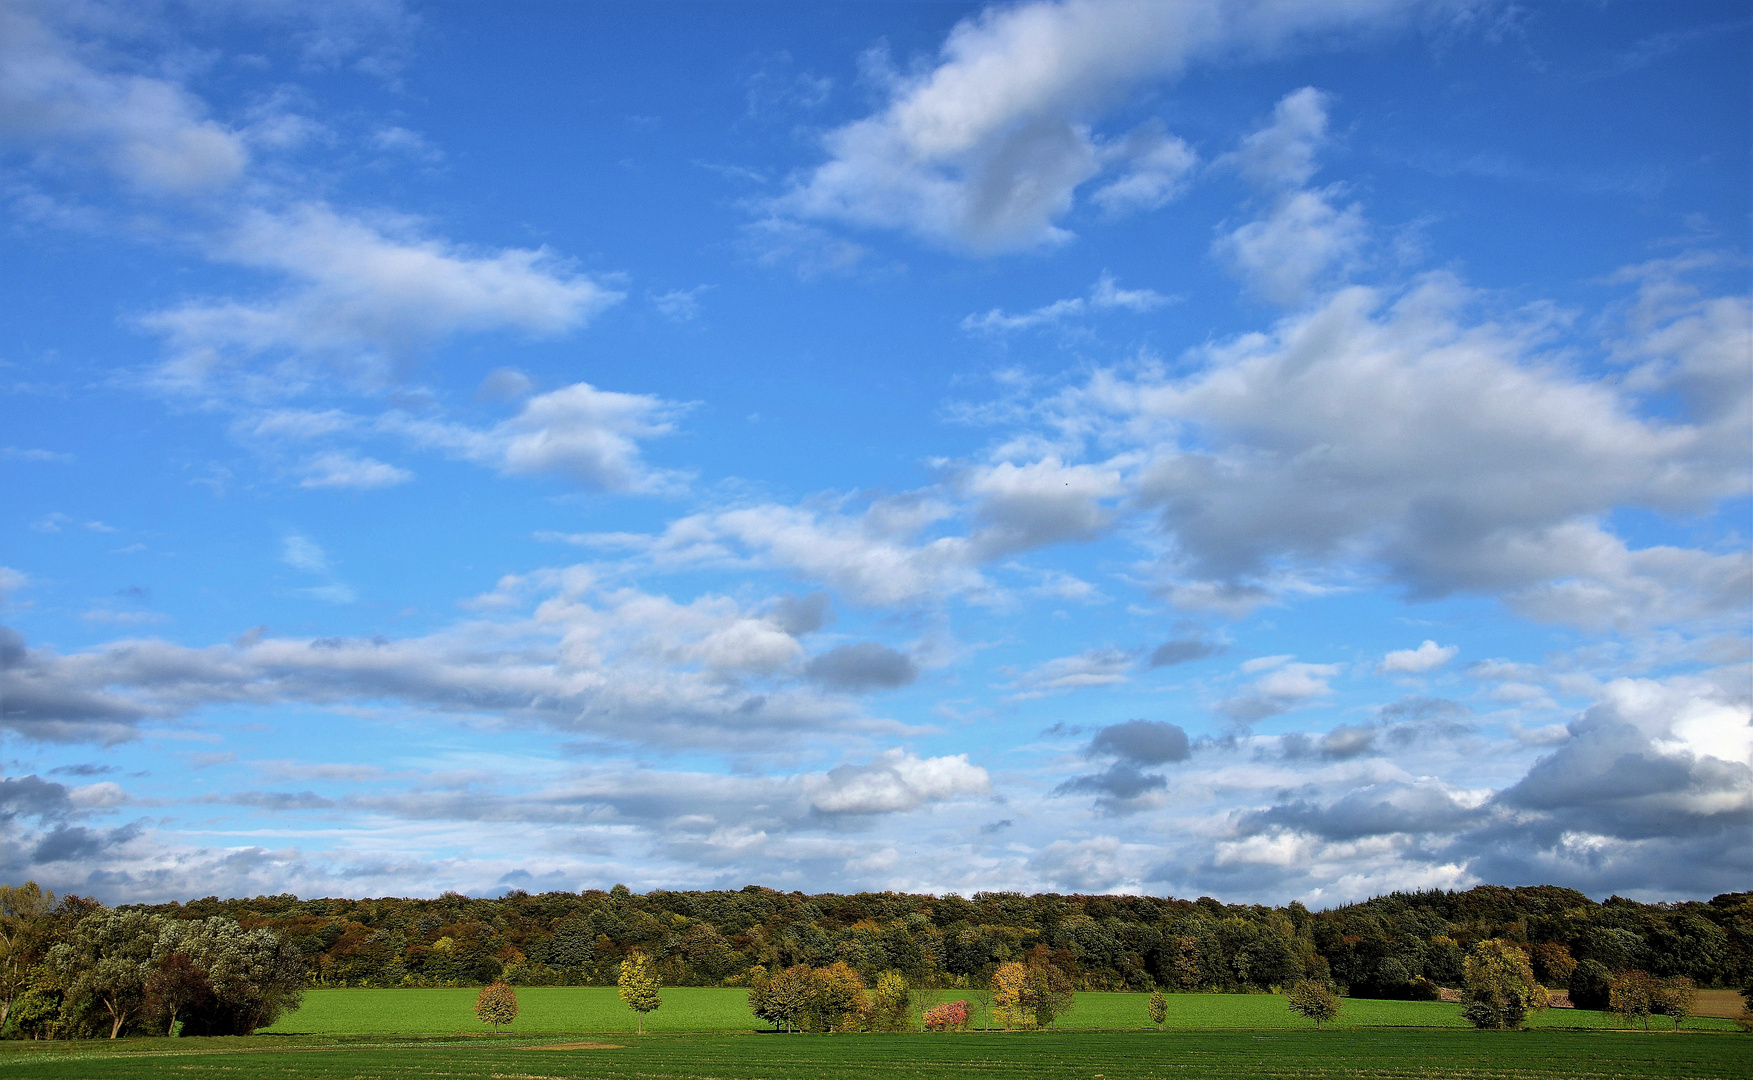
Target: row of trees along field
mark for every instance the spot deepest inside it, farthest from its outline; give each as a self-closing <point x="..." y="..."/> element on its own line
<point x="1400" y="945"/>
<point x="75" y="969"/>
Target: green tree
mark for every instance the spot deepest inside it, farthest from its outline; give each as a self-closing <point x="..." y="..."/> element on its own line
<point x="1633" y="997"/>
<point x="24" y="910"/>
<point x="1159" y="1008"/>
<point x="788" y="996"/>
<point x="1500" y="990"/>
<point x="106" y="961"/>
<point x="228" y="980"/>
<point x="892" y="1007"/>
<point x="836" y="998"/>
<point x="638" y="984"/>
<point x="1314" y="1000"/>
<point x="1053" y="992"/>
<point x="497" y="1004"/>
<point x="1676" y="998"/>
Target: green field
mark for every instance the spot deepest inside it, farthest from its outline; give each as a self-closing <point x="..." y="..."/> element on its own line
<point x="1383" y="1053"/>
<point x="563" y="1010"/>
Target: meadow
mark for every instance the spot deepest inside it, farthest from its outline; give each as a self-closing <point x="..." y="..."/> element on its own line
<point x="1382" y="1053"/>
<point x="592" y="1009"/>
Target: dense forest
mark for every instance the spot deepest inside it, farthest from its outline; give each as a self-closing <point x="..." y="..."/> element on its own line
<point x="1399" y="945"/>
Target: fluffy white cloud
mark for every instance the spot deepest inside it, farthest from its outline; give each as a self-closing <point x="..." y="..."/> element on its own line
<point x="895" y="781"/>
<point x="148" y="131"/>
<point x="1427" y="657"/>
<point x="1283" y="687"/>
<point x="361" y="295"/>
<point x="588" y="435"/>
<point x="985" y="150"/>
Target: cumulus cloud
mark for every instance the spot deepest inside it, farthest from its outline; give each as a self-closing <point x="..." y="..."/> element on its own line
<point x="1183" y="650"/>
<point x="1331" y="441"/>
<point x="1142" y="742"/>
<point x="361" y="295"/>
<point x="1124" y="786"/>
<point x="895" y="781"/>
<point x="985" y="150"/>
<point x="1158" y="166"/>
<point x="579" y="432"/>
<point x="864" y="665"/>
<point x="1283" y="687"/>
<point x="1427" y="657"/>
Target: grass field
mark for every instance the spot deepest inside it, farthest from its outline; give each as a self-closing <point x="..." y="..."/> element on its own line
<point x="584" y="1010"/>
<point x="1380" y="1053"/>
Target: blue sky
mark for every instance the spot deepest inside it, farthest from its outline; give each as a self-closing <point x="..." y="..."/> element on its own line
<point x="1269" y="451"/>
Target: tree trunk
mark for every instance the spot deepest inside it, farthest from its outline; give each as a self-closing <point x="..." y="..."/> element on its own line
<point x="115" y="1028"/>
<point x="641" y="1023"/>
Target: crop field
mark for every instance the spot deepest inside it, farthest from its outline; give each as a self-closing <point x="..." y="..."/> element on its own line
<point x="584" y="1010"/>
<point x="1380" y="1053"/>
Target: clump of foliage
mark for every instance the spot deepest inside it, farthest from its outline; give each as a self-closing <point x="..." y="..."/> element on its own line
<point x="638" y="986"/>
<point x="947" y="1016"/>
<point x="1676" y="998"/>
<point x="1159" y="1008"/>
<point x="1500" y="988"/>
<point x="1313" y="1000"/>
<point x="891" y="1007"/>
<point x="496" y="1005"/>
<point x="1033" y="993"/>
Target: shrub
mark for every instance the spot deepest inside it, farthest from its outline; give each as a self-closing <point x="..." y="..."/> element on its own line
<point x="949" y="1016"/>
<point x="1159" y="1008"/>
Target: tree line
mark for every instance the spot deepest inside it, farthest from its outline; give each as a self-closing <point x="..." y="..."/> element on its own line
<point x="1406" y="944"/>
<point x="75" y="969"/>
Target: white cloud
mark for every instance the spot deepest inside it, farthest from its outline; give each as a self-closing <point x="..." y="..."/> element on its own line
<point x="895" y="781"/>
<point x="301" y="553"/>
<point x="1282" y="154"/>
<point x="1158" y="166"/>
<point x="1283" y="687"/>
<point x="1105" y="295"/>
<point x="587" y="435"/>
<point x="340" y="470"/>
<point x="1095" y="667"/>
<point x="148" y="131"/>
<point x="361" y="295"/>
<point x="1427" y="657"/>
<point x="985" y="150"/>
<point x="11" y="581"/>
<point x="13" y="453"/>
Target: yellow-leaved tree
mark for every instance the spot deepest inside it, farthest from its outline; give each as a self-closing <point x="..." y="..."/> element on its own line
<point x="638" y="985"/>
<point x="497" y="1004"/>
<point x="1013" y="995"/>
<point x="1500" y="988"/>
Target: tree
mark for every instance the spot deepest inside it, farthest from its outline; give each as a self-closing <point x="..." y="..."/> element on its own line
<point x="947" y="1016"/>
<point x="1314" y="1000"/>
<point x="1675" y="998"/>
<point x="1589" y="984"/>
<point x="891" y="1007"/>
<point x="788" y="996"/>
<point x="639" y="986"/>
<point x="106" y="961"/>
<point x="497" y="1004"/>
<point x="1053" y="992"/>
<point x="836" y="998"/>
<point x="176" y="985"/>
<point x="1500" y="990"/>
<point x="1633" y="997"/>
<point x="23" y="911"/>
<point x="230" y="981"/>
<point x="1159" y="1008"/>
<point x="1013" y="995"/>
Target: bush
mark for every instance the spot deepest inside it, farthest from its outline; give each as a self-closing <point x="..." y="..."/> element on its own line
<point x="949" y="1016"/>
